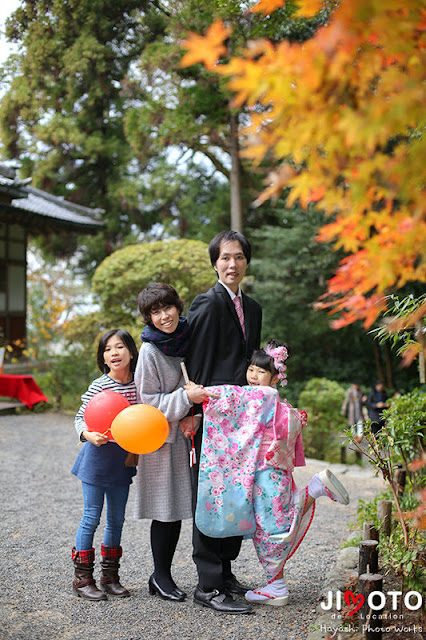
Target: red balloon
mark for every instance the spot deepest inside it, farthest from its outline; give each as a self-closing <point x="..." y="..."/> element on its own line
<point x="102" y="409"/>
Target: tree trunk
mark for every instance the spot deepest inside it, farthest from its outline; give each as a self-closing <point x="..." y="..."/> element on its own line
<point x="378" y="359"/>
<point x="388" y="363"/>
<point x="235" y="177"/>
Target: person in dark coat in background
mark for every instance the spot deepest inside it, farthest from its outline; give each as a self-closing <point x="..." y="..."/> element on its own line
<point x="376" y="403"/>
<point x="352" y="409"/>
<point x="225" y="329"/>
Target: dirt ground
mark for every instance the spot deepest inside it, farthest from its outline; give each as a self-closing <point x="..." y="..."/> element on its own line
<point x="41" y="509"/>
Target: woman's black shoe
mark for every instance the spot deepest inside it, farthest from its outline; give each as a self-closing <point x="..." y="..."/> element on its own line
<point x="154" y="588"/>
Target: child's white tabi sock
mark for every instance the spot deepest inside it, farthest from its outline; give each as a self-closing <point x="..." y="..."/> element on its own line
<point x="325" y="483"/>
<point x="275" y="593"/>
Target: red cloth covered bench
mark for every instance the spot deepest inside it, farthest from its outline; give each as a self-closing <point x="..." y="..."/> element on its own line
<point x="22" y="387"/>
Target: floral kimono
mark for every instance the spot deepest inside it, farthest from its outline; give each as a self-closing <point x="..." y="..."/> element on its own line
<point x="251" y="444"/>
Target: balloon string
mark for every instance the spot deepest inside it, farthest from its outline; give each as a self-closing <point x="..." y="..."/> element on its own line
<point x="192" y="455"/>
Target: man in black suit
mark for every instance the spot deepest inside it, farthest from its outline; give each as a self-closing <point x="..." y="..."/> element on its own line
<point x="225" y="329"/>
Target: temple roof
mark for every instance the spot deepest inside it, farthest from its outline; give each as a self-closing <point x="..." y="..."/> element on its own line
<point x="20" y="203"/>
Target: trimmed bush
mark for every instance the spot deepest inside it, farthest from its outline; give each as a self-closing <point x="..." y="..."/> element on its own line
<point x="322" y="400"/>
<point x="119" y="278"/>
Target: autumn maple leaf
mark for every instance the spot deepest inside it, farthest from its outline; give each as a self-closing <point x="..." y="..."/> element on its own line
<point x="267" y="6"/>
<point x="206" y="49"/>
<point x="418" y="516"/>
<point x="308" y="8"/>
<point x="411" y="353"/>
<point x="315" y="195"/>
<point x="419" y="463"/>
<point x="276" y="180"/>
<point x="401" y="324"/>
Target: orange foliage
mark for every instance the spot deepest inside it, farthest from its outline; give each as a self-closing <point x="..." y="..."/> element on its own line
<point x="347" y="107"/>
<point x="267" y="6"/>
<point x="206" y="49"/>
<point x="308" y="7"/>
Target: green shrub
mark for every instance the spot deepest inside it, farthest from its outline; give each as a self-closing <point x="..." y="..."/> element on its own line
<point x="68" y="378"/>
<point x="119" y="278"/>
<point x="405" y="560"/>
<point x="352" y="542"/>
<point x="322" y="399"/>
<point x="405" y="426"/>
<point x="367" y="509"/>
<point x="400" y="441"/>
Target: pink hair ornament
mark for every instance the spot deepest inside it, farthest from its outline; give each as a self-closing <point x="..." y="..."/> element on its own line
<point x="279" y="355"/>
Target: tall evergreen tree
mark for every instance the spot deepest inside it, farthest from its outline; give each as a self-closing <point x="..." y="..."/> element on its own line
<point x="190" y="108"/>
<point x="62" y="115"/>
<point x="98" y="109"/>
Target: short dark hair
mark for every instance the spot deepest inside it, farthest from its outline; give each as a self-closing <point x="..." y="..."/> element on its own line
<point x="156" y="296"/>
<point x="129" y="343"/>
<point x="228" y="236"/>
<point x="262" y="360"/>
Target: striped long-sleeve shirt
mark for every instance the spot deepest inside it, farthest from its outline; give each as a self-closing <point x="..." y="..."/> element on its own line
<point x="104" y="383"/>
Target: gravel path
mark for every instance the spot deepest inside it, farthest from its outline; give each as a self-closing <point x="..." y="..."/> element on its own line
<point x="41" y="510"/>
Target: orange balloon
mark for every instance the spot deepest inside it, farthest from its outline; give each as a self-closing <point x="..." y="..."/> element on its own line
<point x="140" y="428"/>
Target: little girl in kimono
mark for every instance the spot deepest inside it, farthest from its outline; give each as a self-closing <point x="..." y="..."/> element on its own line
<point x="283" y="514"/>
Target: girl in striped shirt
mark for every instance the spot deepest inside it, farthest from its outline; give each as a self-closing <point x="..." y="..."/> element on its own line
<point x="101" y="467"/>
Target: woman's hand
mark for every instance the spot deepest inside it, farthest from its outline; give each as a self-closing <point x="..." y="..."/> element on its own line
<point x="95" y="437"/>
<point x="186" y="425"/>
<point x="197" y="394"/>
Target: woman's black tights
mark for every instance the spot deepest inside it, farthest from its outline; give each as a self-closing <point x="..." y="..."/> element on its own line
<point x="164" y="539"/>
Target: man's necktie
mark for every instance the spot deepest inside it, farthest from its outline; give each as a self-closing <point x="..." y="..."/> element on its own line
<point x="240" y="313"/>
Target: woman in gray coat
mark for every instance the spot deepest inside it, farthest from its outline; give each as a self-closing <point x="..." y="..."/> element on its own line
<point x="163" y="483"/>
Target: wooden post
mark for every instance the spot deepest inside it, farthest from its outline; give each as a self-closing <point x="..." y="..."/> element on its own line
<point x="370" y="621"/>
<point x="368" y="557"/>
<point x="384" y="513"/>
<point x="420" y="336"/>
<point x="369" y="532"/>
<point x="399" y="476"/>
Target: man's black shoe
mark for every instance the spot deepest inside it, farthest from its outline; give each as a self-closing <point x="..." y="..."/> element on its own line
<point x="219" y="602"/>
<point x="232" y="586"/>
